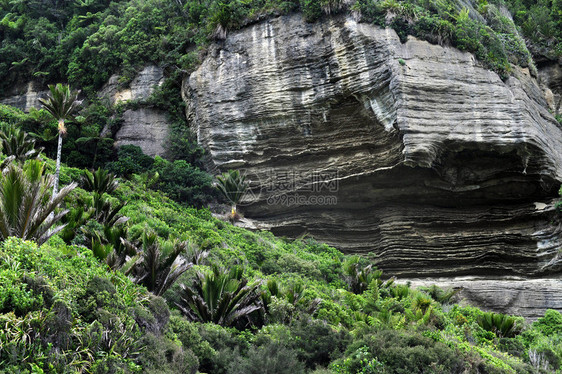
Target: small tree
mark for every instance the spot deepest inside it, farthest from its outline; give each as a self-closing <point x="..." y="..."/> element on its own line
<point x="233" y="186"/>
<point x="221" y="296"/>
<point x="26" y="204"/>
<point x="61" y="103"/>
<point x="156" y="265"/>
<point x="16" y="143"/>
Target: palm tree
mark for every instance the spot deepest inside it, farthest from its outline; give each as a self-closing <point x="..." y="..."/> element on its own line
<point x="100" y="181"/>
<point x="157" y="265"/>
<point x="502" y="325"/>
<point x="60" y="103"/>
<point x="222" y="297"/>
<point x="26" y="204"/>
<point x="359" y="277"/>
<point x="233" y="186"/>
<point x="15" y="142"/>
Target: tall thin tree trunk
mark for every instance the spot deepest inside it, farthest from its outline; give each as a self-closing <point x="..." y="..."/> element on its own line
<point x="57" y="169"/>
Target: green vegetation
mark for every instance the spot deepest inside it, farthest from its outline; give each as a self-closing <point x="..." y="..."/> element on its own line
<point x="133" y="275"/>
<point x="222" y="297"/>
<point x="27" y="203"/>
<point x="61" y="103"/>
<point x="87" y="299"/>
<point x="16" y="143"/>
<point x="233" y="187"/>
<point x="84" y="42"/>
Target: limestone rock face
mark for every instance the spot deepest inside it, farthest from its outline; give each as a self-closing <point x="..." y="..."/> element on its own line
<point x="140" y="88"/>
<point x="551" y="79"/>
<point x="509" y="295"/>
<point x="413" y="152"/>
<point x="147" y="128"/>
<point x="26" y="97"/>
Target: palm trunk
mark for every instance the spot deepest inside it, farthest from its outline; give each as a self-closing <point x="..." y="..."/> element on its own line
<point x="57" y="169"/>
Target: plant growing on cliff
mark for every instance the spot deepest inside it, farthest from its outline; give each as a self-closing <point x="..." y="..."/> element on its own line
<point x="61" y="103"/>
<point x="27" y="205"/>
<point x="233" y="186"/>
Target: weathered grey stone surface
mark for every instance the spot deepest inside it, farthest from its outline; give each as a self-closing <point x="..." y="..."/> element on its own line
<point x="509" y="295"/>
<point x="550" y="77"/>
<point x="26" y="97"/>
<point x="412" y="151"/>
<point x="147" y="128"/>
<point x="140" y="88"/>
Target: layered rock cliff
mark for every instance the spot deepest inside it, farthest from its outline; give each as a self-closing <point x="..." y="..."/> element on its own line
<point x="25" y="97"/>
<point x="413" y="152"/>
<point x="143" y="126"/>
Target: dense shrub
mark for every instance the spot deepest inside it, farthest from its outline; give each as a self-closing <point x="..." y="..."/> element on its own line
<point x="401" y="352"/>
<point x="318" y="343"/>
<point x="162" y="356"/>
<point x="179" y="180"/>
<point x="272" y="357"/>
<point x="90" y="317"/>
<point x="550" y="324"/>
<point x="183" y="182"/>
<point x="130" y="160"/>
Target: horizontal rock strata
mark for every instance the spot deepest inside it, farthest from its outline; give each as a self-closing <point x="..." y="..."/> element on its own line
<point x="140" y="88"/>
<point x="509" y="295"/>
<point x="413" y="152"/>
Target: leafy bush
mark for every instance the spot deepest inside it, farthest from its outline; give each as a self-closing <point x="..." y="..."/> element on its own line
<point x="401" y="352"/>
<point x="57" y="338"/>
<point x="130" y="160"/>
<point x="162" y="356"/>
<point x="271" y="357"/>
<point x="550" y="324"/>
<point x="183" y="182"/>
<point x="318" y="343"/>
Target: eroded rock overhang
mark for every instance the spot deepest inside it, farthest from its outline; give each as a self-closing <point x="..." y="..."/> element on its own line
<point x="432" y="162"/>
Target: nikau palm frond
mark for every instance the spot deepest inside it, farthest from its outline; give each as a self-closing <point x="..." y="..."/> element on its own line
<point x="61" y="104"/>
<point x="26" y="203"/>
<point x="233" y="186"/>
<point x="100" y="181"/>
<point x="222" y="297"/>
<point x="16" y="143"/>
<point x="504" y="326"/>
<point x="156" y="265"/>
